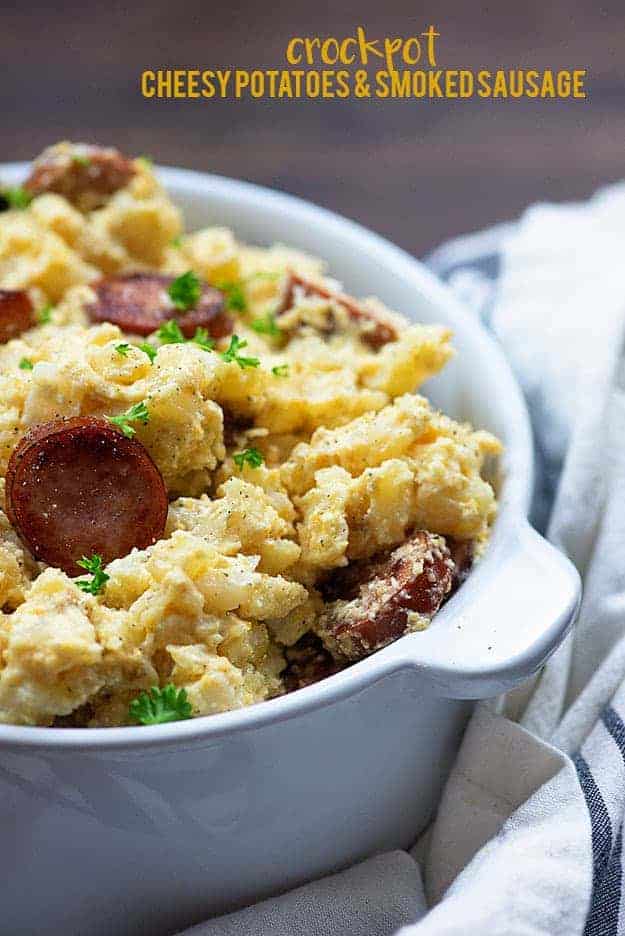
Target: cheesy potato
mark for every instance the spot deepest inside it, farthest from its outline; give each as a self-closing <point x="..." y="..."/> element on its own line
<point x="283" y="475"/>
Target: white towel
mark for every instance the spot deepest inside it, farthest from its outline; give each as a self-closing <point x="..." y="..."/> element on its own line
<point x="553" y="865"/>
<point x="528" y="835"/>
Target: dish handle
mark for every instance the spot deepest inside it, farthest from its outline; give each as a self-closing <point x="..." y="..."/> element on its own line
<point x="510" y="615"/>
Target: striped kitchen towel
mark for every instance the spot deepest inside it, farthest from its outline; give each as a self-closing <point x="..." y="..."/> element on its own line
<point x="528" y="839"/>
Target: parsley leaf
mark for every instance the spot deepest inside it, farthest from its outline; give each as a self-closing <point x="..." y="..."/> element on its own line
<point x="233" y="294"/>
<point x="250" y="456"/>
<point x="44" y="315"/>
<point x="148" y="349"/>
<point x="25" y="364"/>
<point x="169" y="333"/>
<point x="145" y="161"/>
<point x="17" y="197"/>
<point x="280" y="370"/>
<point x="83" y="161"/>
<point x="92" y="586"/>
<point x="267" y="326"/>
<point x="159" y="706"/>
<point x="176" y="241"/>
<point x="232" y="353"/>
<point x="185" y="291"/>
<point x="201" y="338"/>
<point x="122" y="349"/>
<point x="137" y="413"/>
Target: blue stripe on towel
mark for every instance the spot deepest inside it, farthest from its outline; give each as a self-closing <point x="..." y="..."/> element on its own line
<point x="608" y="900"/>
<point x="603" y="916"/>
<point x="615" y="725"/>
<point x="601" y="830"/>
<point x="610" y="891"/>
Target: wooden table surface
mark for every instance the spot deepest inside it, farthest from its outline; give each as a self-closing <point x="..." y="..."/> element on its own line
<point x="416" y="171"/>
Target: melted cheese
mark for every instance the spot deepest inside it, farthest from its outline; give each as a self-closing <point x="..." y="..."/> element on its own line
<point x="353" y="459"/>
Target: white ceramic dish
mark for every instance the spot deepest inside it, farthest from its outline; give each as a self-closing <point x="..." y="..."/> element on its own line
<point x="144" y="830"/>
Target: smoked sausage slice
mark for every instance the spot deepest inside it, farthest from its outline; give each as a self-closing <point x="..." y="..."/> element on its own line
<point x="375" y="332"/>
<point x="308" y="662"/>
<point x="462" y="555"/>
<point x="84" y="174"/>
<point x="139" y="303"/>
<point x="16" y="313"/>
<point x="373" y="600"/>
<point x="78" y="487"/>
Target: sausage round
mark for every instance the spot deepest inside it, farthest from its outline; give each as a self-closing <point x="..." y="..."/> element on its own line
<point x="84" y="174"/>
<point x="371" y="601"/>
<point x="16" y="313"/>
<point x="374" y="330"/>
<point x="462" y="554"/>
<point x="139" y="304"/>
<point x="308" y="662"/>
<point x="78" y="487"/>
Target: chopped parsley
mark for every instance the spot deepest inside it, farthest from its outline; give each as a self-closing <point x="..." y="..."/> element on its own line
<point x="17" y="197"/>
<point x="148" y="349"/>
<point x="170" y="333"/>
<point x="250" y="456"/>
<point x="25" y="364"/>
<point x="232" y="353"/>
<point x="137" y="413"/>
<point x="83" y="161"/>
<point x="94" y="585"/>
<point x="122" y="349"/>
<point x="159" y="706"/>
<point x="234" y="295"/>
<point x="267" y="326"/>
<point x="280" y="370"/>
<point x="44" y="315"/>
<point x="146" y="161"/>
<point x="202" y="339"/>
<point x="176" y="241"/>
<point x="185" y="291"/>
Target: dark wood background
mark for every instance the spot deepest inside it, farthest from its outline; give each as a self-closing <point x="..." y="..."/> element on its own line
<point x="417" y="172"/>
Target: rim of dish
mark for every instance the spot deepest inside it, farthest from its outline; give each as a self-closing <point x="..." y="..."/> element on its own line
<point x="515" y="497"/>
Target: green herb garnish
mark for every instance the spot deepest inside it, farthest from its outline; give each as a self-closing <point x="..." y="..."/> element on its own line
<point x="185" y="291"/>
<point x="122" y="349"/>
<point x="232" y="353"/>
<point x="267" y="326"/>
<point x="170" y="333"/>
<point x="148" y="349"/>
<point x="146" y="161"/>
<point x="280" y="370"/>
<point x="92" y="586"/>
<point x="159" y="706"/>
<point x="234" y="295"/>
<point x="202" y="339"/>
<point x="83" y="161"/>
<point x="137" y="413"/>
<point x="44" y="315"/>
<point x="25" y="364"/>
<point x="17" y="197"/>
<point x="176" y="241"/>
<point x="250" y="456"/>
